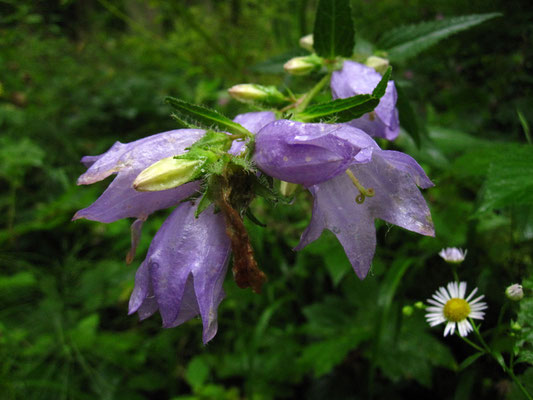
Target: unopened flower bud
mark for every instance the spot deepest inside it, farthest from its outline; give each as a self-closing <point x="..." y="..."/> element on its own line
<point x="420" y="305"/>
<point x="515" y="326"/>
<point x="514" y="292"/>
<point x="287" y="188"/>
<point x="307" y="42"/>
<point x="378" y="63"/>
<point x="167" y="173"/>
<point x="252" y="93"/>
<point x="302" y="65"/>
<point x="453" y="255"/>
<point x="407" y="311"/>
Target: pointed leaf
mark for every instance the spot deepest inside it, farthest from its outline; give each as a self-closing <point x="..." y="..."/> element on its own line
<point x="334" y="32"/>
<point x="205" y="117"/>
<point x="408" y="41"/>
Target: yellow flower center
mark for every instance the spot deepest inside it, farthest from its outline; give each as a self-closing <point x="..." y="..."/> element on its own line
<point x="456" y="310"/>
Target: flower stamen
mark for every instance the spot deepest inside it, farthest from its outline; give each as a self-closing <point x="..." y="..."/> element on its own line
<point x="363" y="192"/>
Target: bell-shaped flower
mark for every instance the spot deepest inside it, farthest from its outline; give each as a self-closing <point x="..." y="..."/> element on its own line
<point x="352" y="181"/>
<point x="354" y="79"/>
<point x="183" y="272"/>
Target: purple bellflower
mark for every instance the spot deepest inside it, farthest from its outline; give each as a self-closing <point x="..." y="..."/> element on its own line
<point x="355" y="78"/>
<point x="183" y="272"/>
<point x="352" y="181"/>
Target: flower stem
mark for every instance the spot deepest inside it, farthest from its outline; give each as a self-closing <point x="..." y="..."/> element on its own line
<point x="306" y="99"/>
<point x="508" y="370"/>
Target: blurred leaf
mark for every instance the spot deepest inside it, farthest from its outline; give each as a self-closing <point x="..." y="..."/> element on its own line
<point x="509" y="181"/>
<point x="408" y="117"/>
<point x="527" y="381"/>
<point x="470" y="360"/>
<point x="19" y="281"/>
<point x="407" y="41"/>
<point x="197" y="373"/>
<point x="334" y="33"/>
<point x="525" y="356"/>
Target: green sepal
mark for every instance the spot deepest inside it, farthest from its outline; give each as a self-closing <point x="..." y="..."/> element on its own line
<point x="204" y="203"/>
<point x="254" y="219"/>
<point x="263" y="186"/>
<point x="204" y="117"/>
<point x="334" y="33"/>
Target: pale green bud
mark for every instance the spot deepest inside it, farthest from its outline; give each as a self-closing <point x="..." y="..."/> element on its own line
<point x="514" y="292"/>
<point x="307" y="42"/>
<point x="515" y="326"/>
<point x="378" y="63"/>
<point x="407" y="311"/>
<point x="420" y="305"/>
<point x="302" y="65"/>
<point x="252" y="93"/>
<point x="287" y="188"/>
<point x="167" y="173"/>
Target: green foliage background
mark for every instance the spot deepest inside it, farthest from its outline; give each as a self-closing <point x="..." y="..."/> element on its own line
<point x="75" y="76"/>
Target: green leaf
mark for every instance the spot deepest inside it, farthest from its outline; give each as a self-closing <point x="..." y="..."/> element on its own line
<point x="408" y="41"/>
<point x="408" y="117"/>
<point x="334" y="33"/>
<point x="206" y="118"/>
<point x="344" y="110"/>
<point x="470" y="360"/>
<point x="380" y="89"/>
<point x="525" y="356"/>
<point x="197" y="372"/>
<point x="509" y="182"/>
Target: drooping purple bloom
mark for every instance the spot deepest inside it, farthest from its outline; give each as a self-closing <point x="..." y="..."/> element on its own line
<point x="183" y="272"/>
<point x="318" y="155"/>
<point x="355" y="78"/>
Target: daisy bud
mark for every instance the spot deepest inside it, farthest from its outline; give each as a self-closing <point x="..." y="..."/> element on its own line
<point x="251" y="93"/>
<point x="453" y="255"/>
<point x="302" y="65"/>
<point x="419" y="305"/>
<point x="166" y="174"/>
<point x="407" y="311"/>
<point x="515" y="326"/>
<point x="287" y="188"/>
<point x="378" y="63"/>
<point x="307" y="42"/>
<point x="514" y="292"/>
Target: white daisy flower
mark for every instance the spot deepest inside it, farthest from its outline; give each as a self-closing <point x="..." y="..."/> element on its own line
<point x="453" y="255"/>
<point x="450" y="305"/>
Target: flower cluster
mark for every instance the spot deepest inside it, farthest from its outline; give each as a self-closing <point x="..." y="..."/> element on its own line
<point x="352" y="180"/>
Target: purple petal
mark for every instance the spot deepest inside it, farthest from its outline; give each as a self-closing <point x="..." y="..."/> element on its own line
<point x="253" y="121"/>
<point x="310" y="153"/>
<point x="397" y="198"/>
<point x="355" y="78"/>
<point x="335" y="209"/>
<point x="187" y="263"/>
<point x="120" y="200"/>
<point x="135" y="229"/>
<point x="407" y="164"/>
<point x="136" y="156"/>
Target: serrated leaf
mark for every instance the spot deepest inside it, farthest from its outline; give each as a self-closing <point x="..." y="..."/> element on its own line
<point x="334" y="33"/>
<point x="344" y="110"/>
<point x="525" y="356"/>
<point x="204" y="117"/>
<point x="408" y="41"/>
<point x="509" y="182"/>
<point x="379" y="90"/>
<point x="205" y="202"/>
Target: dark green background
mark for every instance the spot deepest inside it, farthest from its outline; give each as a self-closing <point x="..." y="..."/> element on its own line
<point x="78" y="75"/>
